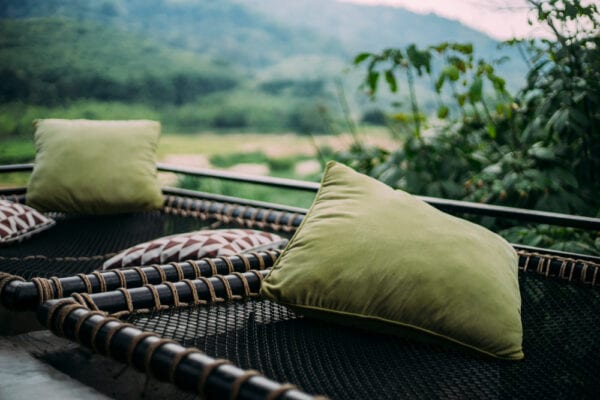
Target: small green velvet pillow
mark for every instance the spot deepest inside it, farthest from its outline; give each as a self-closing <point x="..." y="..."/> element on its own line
<point x="373" y="257"/>
<point x="95" y="167"/>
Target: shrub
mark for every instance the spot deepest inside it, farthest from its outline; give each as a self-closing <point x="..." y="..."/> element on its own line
<point x="538" y="149"/>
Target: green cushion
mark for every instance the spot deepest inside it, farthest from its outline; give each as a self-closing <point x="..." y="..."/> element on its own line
<point x="95" y="167"/>
<point x="372" y="257"/>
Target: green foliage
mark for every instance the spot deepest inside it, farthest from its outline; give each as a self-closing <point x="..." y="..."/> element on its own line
<point x="17" y="151"/>
<point x="536" y="150"/>
<point x="281" y="167"/>
<point x="72" y="69"/>
<point x="54" y="61"/>
<point x="434" y="164"/>
<point x="296" y="88"/>
<point x="248" y="191"/>
<point x="362" y="157"/>
<point x="551" y="139"/>
<point x="308" y="120"/>
<point x="374" y="117"/>
<point x="229" y="160"/>
<point x="237" y="111"/>
<point x="245" y="109"/>
<point x="16" y="119"/>
<point x="553" y="237"/>
<point x="460" y="78"/>
<point x="224" y="30"/>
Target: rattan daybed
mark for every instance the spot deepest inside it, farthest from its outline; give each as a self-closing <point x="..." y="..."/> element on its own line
<point x="213" y="335"/>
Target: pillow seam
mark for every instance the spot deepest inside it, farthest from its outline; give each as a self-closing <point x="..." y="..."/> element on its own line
<point x="404" y="324"/>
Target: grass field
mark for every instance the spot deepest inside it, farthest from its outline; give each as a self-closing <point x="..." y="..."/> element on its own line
<point x="273" y="145"/>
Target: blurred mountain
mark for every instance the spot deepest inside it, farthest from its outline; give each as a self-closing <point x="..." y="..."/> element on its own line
<point x="255" y="34"/>
<point x="218" y="63"/>
<point x="369" y="28"/>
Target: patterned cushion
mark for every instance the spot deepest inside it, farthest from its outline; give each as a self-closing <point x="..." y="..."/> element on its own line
<point x="18" y="222"/>
<point x="193" y="246"/>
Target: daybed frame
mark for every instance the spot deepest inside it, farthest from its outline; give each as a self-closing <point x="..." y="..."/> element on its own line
<point x="176" y="322"/>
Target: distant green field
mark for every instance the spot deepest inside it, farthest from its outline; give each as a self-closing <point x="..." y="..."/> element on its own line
<point x="210" y="149"/>
<point x="208" y="144"/>
<point x="275" y="154"/>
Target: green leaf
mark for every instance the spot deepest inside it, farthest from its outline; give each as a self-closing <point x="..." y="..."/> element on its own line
<point x="401" y="117"/>
<point x="466" y="48"/>
<point x="442" y="112"/>
<point x="476" y="90"/>
<point x="566" y="178"/>
<point x="491" y="130"/>
<point x="440" y="48"/>
<point x="452" y="72"/>
<point x="541" y="153"/>
<point x="570" y="10"/>
<point x="510" y="180"/>
<point x="391" y="80"/>
<point x="508" y="111"/>
<point x="498" y="83"/>
<point x="458" y="63"/>
<point x="419" y="59"/>
<point x="580" y="117"/>
<point x="372" y="80"/>
<point x="361" y="57"/>
<point x="559" y="120"/>
<point x="440" y="82"/>
<point x="480" y="157"/>
<point x="493" y="169"/>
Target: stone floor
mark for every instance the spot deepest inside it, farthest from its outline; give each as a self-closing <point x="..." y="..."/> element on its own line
<point x="39" y="364"/>
<point x="22" y="376"/>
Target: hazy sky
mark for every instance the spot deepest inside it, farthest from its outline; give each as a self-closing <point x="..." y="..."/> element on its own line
<point x="501" y="19"/>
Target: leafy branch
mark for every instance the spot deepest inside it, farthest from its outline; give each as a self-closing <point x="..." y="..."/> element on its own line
<point x="538" y="149"/>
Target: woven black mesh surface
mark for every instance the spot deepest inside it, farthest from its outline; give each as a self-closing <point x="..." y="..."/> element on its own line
<point x="561" y="344"/>
<point x="81" y="244"/>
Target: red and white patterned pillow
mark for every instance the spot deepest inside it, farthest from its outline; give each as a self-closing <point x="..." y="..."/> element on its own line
<point x="193" y="246"/>
<point x="18" y="222"/>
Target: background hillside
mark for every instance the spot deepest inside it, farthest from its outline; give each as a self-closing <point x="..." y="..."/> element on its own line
<point x="196" y="65"/>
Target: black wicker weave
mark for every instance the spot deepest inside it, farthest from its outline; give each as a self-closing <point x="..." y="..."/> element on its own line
<point x="82" y="244"/>
<point x="561" y="344"/>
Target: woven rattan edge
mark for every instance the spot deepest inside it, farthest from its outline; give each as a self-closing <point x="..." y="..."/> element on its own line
<point x="18" y="294"/>
<point x="186" y="293"/>
<point x="188" y="368"/>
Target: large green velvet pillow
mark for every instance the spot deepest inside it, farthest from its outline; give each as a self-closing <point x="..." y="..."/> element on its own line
<point x="373" y="257"/>
<point x="95" y="167"/>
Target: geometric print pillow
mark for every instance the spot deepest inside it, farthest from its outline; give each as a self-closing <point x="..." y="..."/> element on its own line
<point x="193" y="246"/>
<point x="18" y="222"/>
